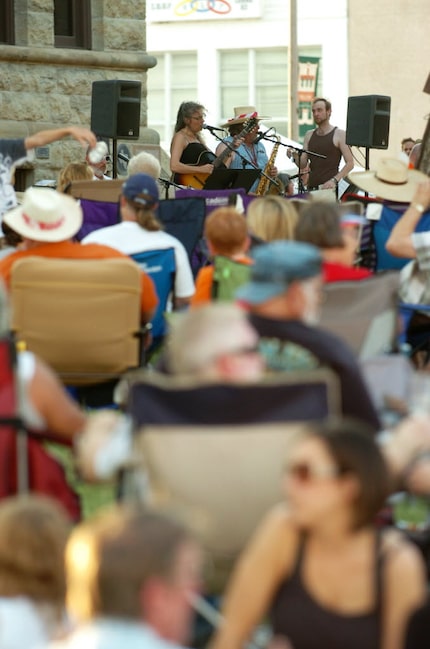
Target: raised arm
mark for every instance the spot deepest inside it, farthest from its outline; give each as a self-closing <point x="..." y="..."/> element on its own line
<point x="400" y="241"/>
<point x="260" y="570"/>
<point x="79" y="133"/>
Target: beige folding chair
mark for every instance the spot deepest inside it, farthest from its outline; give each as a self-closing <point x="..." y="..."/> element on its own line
<point x="217" y="451"/>
<point x="81" y="316"/>
<point x="364" y="313"/>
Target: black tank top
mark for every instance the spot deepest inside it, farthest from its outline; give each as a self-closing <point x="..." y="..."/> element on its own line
<point x="308" y="625"/>
<point x="323" y="169"/>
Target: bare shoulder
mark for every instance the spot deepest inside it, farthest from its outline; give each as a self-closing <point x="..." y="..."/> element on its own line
<point x="339" y="136"/>
<point x="401" y="556"/>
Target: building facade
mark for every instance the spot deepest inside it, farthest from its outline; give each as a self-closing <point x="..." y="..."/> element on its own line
<point x="51" y="52"/>
<point x="226" y="53"/>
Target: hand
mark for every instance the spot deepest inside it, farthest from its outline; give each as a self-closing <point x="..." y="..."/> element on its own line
<point x="206" y="169"/>
<point x="329" y="184"/>
<point x="237" y="141"/>
<point x="83" y="135"/>
<point x="273" y="172"/>
<point x="104" y="445"/>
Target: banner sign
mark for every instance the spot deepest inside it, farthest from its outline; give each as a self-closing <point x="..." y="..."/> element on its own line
<point x="308" y="83"/>
<point x="184" y="10"/>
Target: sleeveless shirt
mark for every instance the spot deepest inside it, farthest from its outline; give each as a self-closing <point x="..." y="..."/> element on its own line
<point x="323" y="169"/>
<point x="309" y="625"/>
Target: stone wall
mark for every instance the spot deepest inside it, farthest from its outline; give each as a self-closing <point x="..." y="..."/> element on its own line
<point x="45" y="87"/>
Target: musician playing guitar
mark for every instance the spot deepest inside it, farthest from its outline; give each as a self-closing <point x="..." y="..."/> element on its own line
<point x="250" y="154"/>
<point x="187" y="140"/>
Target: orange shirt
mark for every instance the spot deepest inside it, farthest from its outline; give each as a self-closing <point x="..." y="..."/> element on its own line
<point x="73" y="250"/>
<point x="204" y="281"/>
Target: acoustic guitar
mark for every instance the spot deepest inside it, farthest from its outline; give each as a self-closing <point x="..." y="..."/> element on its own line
<point x="197" y="154"/>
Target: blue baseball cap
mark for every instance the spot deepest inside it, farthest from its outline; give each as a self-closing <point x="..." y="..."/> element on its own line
<point x="276" y="266"/>
<point x="141" y="189"/>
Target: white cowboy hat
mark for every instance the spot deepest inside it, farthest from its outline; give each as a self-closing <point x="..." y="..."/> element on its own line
<point x="391" y="180"/>
<point x="241" y="114"/>
<point x="45" y="215"/>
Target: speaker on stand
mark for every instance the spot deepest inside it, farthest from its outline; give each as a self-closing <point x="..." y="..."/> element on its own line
<point x="115" y="112"/>
<point x="368" y="122"/>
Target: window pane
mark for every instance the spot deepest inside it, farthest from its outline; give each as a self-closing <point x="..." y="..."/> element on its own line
<point x="271" y="66"/>
<point x="7" y="31"/>
<point x="234" y="68"/>
<point x="63" y="18"/>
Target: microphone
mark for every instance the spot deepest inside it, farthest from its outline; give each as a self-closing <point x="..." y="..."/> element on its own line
<point x="260" y="136"/>
<point x="123" y="157"/>
<point x="211" y="129"/>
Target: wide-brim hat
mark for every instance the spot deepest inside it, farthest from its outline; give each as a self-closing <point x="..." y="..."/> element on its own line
<point x="391" y="180"/>
<point x="45" y="215"/>
<point x="241" y="114"/>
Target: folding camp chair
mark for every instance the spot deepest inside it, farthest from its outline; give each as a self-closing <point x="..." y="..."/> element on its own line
<point x="217" y="451"/>
<point x="82" y="317"/>
<point x="25" y="465"/>
<point x="160" y="265"/>
<point x="184" y="219"/>
<point x="364" y="313"/>
<point x="100" y="204"/>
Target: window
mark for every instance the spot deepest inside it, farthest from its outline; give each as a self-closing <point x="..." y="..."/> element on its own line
<point x="172" y="81"/>
<point x="72" y="23"/>
<point x="256" y="78"/>
<point x="7" y="31"/>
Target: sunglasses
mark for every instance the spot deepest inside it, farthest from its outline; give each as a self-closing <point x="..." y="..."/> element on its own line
<point x="304" y="472"/>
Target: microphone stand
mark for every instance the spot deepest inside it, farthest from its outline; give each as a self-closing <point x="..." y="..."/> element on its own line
<point x="299" y="154"/>
<point x="245" y="161"/>
<point x="167" y="184"/>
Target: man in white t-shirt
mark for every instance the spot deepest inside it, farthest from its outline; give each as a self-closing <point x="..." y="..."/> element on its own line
<point x="140" y="230"/>
<point x="15" y="152"/>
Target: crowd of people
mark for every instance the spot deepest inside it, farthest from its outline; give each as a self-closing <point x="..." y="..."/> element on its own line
<point x="326" y="567"/>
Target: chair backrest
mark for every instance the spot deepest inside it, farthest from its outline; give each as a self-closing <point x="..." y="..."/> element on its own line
<point x="184" y="219"/>
<point x="81" y="316"/>
<point x="229" y="275"/>
<point x="364" y="313"/>
<point x="96" y="215"/>
<point x="160" y="265"/>
<point x="217" y="450"/>
<point x="99" y="200"/>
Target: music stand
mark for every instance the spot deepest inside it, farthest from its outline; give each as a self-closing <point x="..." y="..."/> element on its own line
<point x="232" y="179"/>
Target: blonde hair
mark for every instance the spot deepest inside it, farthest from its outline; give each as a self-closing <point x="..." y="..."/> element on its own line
<point x="34" y="531"/>
<point x="71" y="172"/>
<point x="226" y="229"/>
<point x="144" y="163"/>
<point x="272" y="218"/>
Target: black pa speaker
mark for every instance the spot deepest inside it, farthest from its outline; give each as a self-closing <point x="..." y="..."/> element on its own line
<point x="115" y="109"/>
<point x="368" y="121"/>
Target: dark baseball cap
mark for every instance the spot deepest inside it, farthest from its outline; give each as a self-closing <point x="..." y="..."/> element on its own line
<point x="141" y="189"/>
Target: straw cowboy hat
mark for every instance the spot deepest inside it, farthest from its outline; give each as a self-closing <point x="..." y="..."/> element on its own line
<point x="241" y="114"/>
<point x="391" y="180"/>
<point x="45" y="215"/>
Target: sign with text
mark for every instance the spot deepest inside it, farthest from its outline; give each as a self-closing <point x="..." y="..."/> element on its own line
<point x="162" y="11"/>
<point x="308" y="83"/>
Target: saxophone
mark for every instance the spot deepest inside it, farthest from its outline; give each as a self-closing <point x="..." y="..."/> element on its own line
<point x="263" y="186"/>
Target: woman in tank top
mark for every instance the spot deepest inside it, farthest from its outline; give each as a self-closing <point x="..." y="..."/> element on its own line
<point x="318" y="564"/>
<point x="188" y="152"/>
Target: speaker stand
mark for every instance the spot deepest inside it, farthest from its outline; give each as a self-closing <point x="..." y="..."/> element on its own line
<point x="114" y="158"/>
